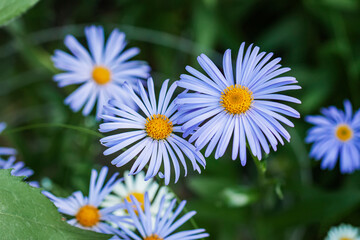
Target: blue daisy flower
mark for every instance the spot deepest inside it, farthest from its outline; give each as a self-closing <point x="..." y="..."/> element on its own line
<point x="164" y="225"/>
<point x="100" y="73"/>
<point x="7" y="161"/>
<point x="152" y="136"/>
<point x="335" y="135"/>
<point x="2" y="126"/>
<point x="85" y="210"/>
<point x="5" y="151"/>
<point x="244" y="105"/>
<point x="19" y="168"/>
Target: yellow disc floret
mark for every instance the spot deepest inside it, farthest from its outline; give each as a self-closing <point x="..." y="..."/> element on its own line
<point x="101" y="75"/>
<point x="236" y="99"/>
<point x="139" y="197"/>
<point x="88" y="216"/>
<point x="343" y="132"/>
<point x="346" y="238"/>
<point x="158" y="127"/>
<point x="153" y="237"/>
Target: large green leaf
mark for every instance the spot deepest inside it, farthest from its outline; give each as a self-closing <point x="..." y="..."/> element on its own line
<point x="25" y="213"/>
<point x="10" y="9"/>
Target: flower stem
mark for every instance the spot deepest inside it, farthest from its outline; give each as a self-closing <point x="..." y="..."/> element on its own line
<point x="260" y="166"/>
<point x="178" y="200"/>
<point x="53" y="125"/>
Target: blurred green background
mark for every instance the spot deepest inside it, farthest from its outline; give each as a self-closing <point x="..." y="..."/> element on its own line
<point x="287" y="196"/>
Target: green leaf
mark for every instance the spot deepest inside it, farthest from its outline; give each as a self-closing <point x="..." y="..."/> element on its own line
<point x="10" y="9"/>
<point x="223" y="191"/>
<point x="25" y="213"/>
<point x="209" y="187"/>
<point x="349" y="5"/>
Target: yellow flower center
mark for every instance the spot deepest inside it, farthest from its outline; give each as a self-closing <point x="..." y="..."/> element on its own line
<point x="153" y="237"/>
<point x="139" y="197"/>
<point x="101" y="75"/>
<point x="343" y="132"/>
<point x="158" y="127"/>
<point x="88" y="216"/>
<point x="236" y="99"/>
<point x="346" y="238"/>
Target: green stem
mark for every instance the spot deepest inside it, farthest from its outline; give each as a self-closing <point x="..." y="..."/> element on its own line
<point x="178" y="200"/>
<point x="53" y="125"/>
<point x="260" y="166"/>
<point x="192" y="220"/>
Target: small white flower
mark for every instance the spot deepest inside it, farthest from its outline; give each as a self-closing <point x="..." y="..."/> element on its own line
<point x="343" y="232"/>
<point x="136" y="186"/>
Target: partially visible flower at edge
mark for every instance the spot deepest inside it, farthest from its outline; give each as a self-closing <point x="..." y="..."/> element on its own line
<point x="18" y="169"/>
<point x="5" y="151"/>
<point x="343" y="232"/>
<point x="336" y="134"/>
<point x="165" y="223"/>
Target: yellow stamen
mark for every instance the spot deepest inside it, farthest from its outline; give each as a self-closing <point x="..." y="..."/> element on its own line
<point x="236" y="99"/>
<point x="158" y="127"/>
<point x="139" y="197"/>
<point x="88" y="216"/>
<point x="343" y="132"/>
<point x="346" y="238"/>
<point x="101" y="75"/>
<point x="153" y="237"/>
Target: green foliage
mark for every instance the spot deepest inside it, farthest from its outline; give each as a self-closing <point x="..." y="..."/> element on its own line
<point x="10" y="9"/>
<point x="233" y="195"/>
<point x="25" y="213"/>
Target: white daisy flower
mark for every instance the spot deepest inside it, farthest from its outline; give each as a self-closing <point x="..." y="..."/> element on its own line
<point x="136" y="186"/>
<point x="100" y="73"/>
<point x="343" y="232"/>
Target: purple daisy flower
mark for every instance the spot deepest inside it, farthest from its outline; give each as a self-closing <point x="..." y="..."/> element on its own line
<point x="101" y="73"/>
<point x="151" y="135"/>
<point x="335" y="135"/>
<point x="243" y="106"/>
<point x="163" y="227"/>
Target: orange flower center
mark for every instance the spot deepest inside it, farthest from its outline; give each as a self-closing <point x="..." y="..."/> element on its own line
<point x="236" y="99"/>
<point x="101" y="75"/>
<point x="153" y="237"/>
<point x="343" y="132"/>
<point x="88" y="216"/>
<point x="158" y="127"/>
<point x="139" y="197"/>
